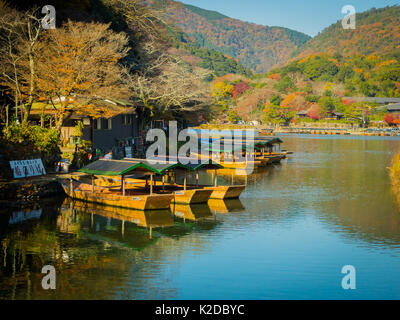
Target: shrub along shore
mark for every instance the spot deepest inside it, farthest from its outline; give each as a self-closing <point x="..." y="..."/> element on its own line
<point x="395" y="176"/>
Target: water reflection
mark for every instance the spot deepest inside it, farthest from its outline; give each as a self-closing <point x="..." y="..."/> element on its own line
<point x="194" y="212"/>
<point x="225" y="206"/>
<point x="86" y="242"/>
<point x="295" y="226"/>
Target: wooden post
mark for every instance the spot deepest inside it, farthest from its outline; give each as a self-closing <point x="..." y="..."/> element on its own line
<point x="92" y="183"/>
<point x="163" y="183"/>
<point x="184" y="182"/>
<point x="123" y="227"/>
<point x="71" y="187"/>
<point x="151" y="183"/>
<point x="197" y="178"/>
<point x="123" y="184"/>
<point x="216" y="178"/>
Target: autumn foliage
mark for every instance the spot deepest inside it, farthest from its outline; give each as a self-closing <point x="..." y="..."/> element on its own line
<point x="392" y="119"/>
<point x="240" y="88"/>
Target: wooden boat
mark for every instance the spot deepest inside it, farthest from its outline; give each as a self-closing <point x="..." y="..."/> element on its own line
<point x="180" y="194"/>
<point x="226" y="192"/>
<point x="194" y="194"/>
<point x="275" y="158"/>
<point x="132" y="198"/>
<point x="234" y="164"/>
<point x="189" y="196"/>
<point x="264" y="161"/>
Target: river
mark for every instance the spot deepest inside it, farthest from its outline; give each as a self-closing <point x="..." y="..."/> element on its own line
<point x="296" y="225"/>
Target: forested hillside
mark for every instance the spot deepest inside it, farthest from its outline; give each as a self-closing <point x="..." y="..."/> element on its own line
<point x="255" y="46"/>
<point x="315" y="85"/>
<point x="377" y="31"/>
<point x="335" y="64"/>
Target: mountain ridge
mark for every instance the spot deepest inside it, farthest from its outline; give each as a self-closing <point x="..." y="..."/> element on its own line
<point x="256" y="46"/>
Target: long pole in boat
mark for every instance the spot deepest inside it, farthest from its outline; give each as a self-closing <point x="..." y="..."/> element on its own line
<point x="151" y="183"/>
<point x="184" y="182"/>
<point x="163" y="183"/>
<point x="123" y="184"/>
<point x="92" y="183"/>
<point x="197" y="178"/>
<point x="215" y="178"/>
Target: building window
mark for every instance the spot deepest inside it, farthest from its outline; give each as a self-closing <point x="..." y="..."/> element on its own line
<point x="127" y="119"/>
<point x="97" y="124"/>
<point x="107" y="124"/>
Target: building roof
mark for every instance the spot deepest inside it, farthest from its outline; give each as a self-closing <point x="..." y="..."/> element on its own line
<point x="302" y="113"/>
<point x="374" y="99"/>
<point x="340" y="114"/>
<point x="393" y="107"/>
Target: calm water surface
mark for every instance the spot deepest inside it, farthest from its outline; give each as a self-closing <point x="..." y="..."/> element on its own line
<point x="295" y="227"/>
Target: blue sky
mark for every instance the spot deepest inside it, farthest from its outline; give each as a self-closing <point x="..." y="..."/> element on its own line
<point x="308" y="16"/>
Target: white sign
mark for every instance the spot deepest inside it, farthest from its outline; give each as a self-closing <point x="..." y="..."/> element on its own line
<point x="128" y="152"/>
<point x="27" y="168"/>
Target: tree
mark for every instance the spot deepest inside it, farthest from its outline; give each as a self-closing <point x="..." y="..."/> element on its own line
<point x="240" y="88"/>
<point x="327" y="105"/>
<point x="19" y="38"/>
<point x="171" y="92"/>
<point x="78" y="70"/>
<point x="314" y="112"/>
<point x="277" y="114"/>
<point x="276" y="100"/>
<point x="222" y="93"/>
<point x="390" y="119"/>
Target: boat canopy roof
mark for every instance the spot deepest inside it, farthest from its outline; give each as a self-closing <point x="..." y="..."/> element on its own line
<point x="267" y="142"/>
<point x="123" y="167"/>
<point x="257" y="143"/>
<point x="209" y="165"/>
<point x="231" y="149"/>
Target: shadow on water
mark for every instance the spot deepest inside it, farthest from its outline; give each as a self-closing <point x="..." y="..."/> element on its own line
<point x="90" y="243"/>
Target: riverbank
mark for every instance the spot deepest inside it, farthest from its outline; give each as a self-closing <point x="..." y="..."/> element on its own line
<point x="336" y="131"/>
<point x="28" y="190"/>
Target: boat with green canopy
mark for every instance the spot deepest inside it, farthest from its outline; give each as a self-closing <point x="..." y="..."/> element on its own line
<point x="104" y="180"/>
<point x="86" y="187"/>
<point x="227" y="157"/>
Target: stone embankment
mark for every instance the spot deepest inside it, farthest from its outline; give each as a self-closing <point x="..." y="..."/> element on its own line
<point x="29" y="189"/>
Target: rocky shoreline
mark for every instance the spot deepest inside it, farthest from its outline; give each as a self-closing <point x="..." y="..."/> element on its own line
<point x="24" y="191"/>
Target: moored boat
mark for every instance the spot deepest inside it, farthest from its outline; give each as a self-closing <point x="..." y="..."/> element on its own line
<point x="131" y="199"/>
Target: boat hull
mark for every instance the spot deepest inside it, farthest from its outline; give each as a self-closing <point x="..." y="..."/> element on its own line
<point x="195" y="196"/>
<point x="138" y="202"/>
<point x="191" y="196"/>
<point x="226" y="192"/>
